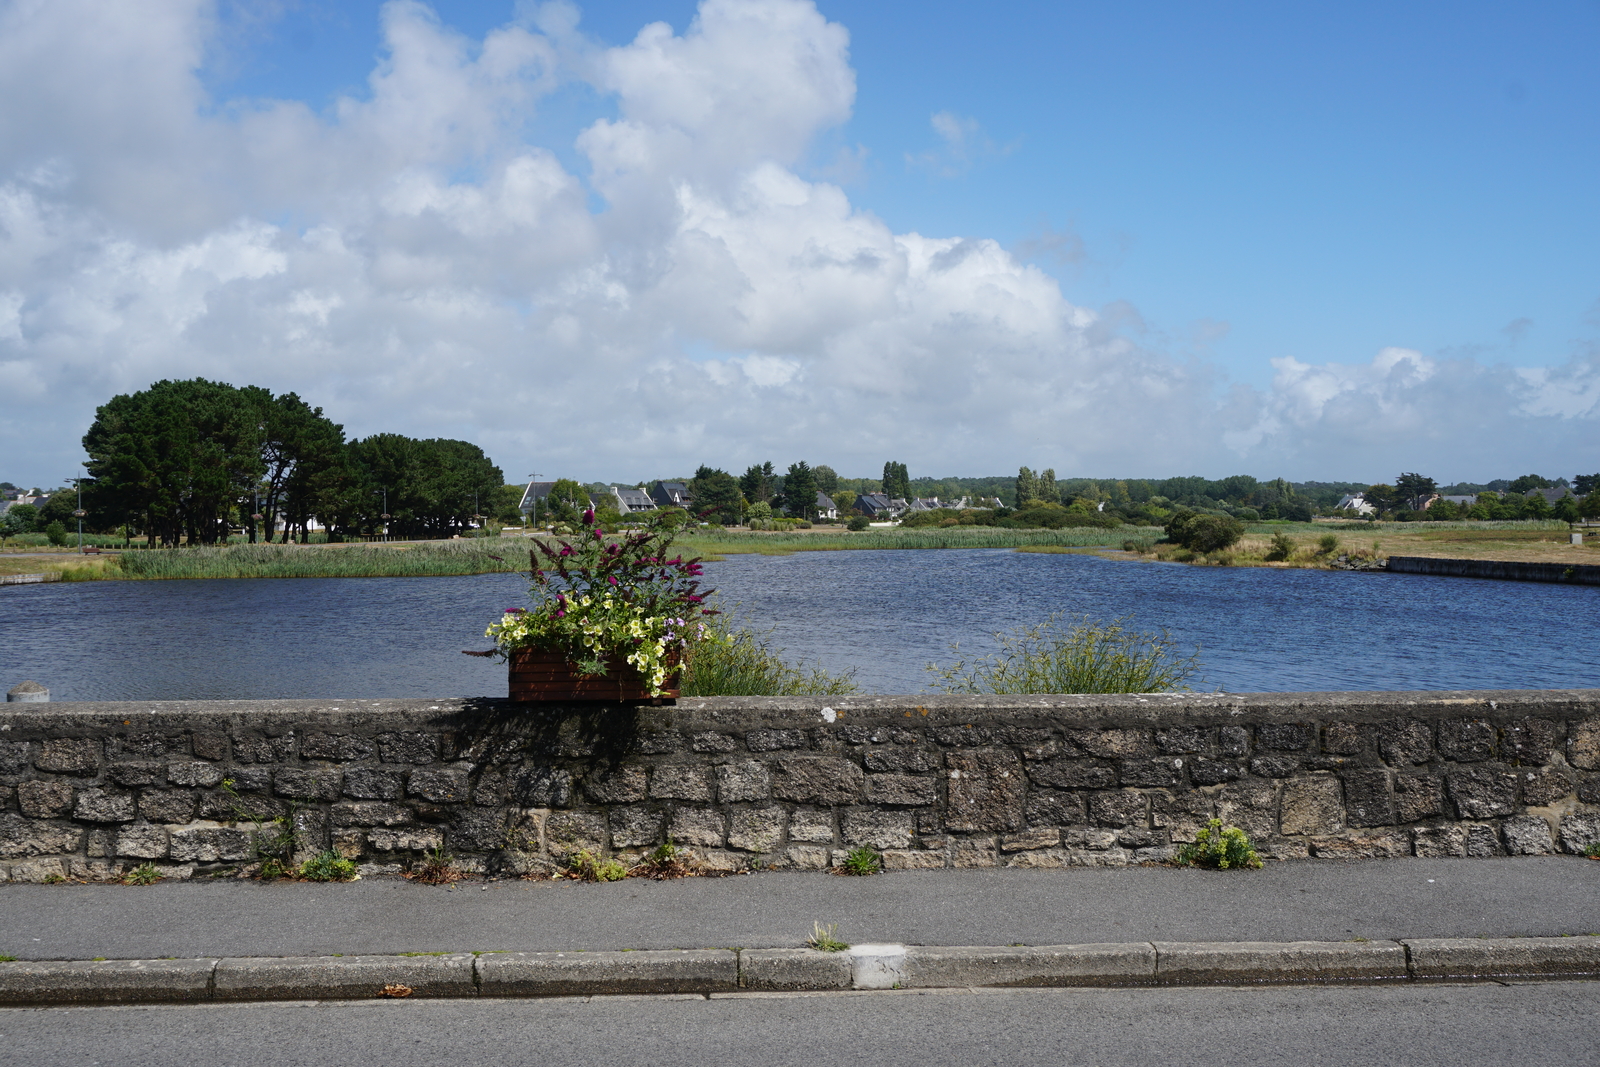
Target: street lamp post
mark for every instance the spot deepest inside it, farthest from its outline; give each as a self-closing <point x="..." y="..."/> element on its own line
<point x="385" y="515"/>
<point x="79" y="514"/>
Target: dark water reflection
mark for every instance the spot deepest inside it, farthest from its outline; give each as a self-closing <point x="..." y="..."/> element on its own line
<point x="886" y="614"/>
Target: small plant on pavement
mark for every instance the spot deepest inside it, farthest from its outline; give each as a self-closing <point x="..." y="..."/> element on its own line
<point x="275" y="838"/>
<point x="1218" y="847"/>
<point x="1593" y="850"/>
<point x="438" y="867"/>
<point x="144" y="874"/>
<point x="862" y="860"/>
<point x="328" y="866"/>
<point x="666" y="861"/>
<point x="586" y="867"/>
<point x="825" y="938"/>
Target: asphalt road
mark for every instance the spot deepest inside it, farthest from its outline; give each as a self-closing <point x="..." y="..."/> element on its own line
<point x="1304" y="900"/>
<point x="1549" y="1024"/>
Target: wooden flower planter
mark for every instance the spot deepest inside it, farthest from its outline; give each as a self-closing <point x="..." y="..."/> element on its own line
<point x="539" y="677"/>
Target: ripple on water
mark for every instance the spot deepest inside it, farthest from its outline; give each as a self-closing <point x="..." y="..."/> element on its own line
<point x="885" y="613"/>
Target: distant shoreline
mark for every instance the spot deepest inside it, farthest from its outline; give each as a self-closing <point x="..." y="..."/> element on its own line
<point x="1536" y="543"/>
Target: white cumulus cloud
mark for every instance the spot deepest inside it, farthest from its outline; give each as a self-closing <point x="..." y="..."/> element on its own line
<point x="682" y="295"/>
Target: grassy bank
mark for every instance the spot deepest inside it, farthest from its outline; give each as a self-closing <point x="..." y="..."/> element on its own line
<point x="1308" y="544"/>
<point x="421" y="560"/>
<point x="741" y="542"/>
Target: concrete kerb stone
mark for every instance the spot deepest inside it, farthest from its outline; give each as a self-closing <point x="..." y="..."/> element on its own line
<point x="791" y="970"/>
<point x="1039" y="965"/>
<point x="565" y="974"/>
<point x="776" y="970"/>
<point x="105" y="981"/>
<point x="343" y="977"/>
<point x="1203" y="962"/>
<point x="1503" y="957"/>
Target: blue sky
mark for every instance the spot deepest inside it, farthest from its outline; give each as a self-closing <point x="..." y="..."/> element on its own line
<point x="1324" y="179"/>
<point x="1397" y="199"/>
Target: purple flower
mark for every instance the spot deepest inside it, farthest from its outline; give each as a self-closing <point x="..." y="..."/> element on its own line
<point x="611" y="578"/>
<point x="516" y="611"/>
<point x="588" y="517"/>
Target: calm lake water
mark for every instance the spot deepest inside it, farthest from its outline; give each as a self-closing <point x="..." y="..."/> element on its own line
<point x="886" y="614"/>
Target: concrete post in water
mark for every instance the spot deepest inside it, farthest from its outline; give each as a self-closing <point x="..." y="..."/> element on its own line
<point x="29" y="692"/>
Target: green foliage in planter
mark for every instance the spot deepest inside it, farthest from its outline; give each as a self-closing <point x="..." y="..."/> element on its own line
<point x="1219" y="848"/>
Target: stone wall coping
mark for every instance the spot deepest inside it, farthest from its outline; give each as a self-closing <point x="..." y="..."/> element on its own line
<point x="723" y="713"/>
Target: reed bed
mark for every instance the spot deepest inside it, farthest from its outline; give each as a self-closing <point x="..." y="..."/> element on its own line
<point x="730" y="659"/>
<point x="425" y="560"/>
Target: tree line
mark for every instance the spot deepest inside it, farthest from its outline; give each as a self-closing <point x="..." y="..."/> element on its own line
<point x="191" y="461"/>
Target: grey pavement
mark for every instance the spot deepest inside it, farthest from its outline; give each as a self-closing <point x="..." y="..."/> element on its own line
<point x="1298" y="901"/>
<point x="1546" y="1023"/>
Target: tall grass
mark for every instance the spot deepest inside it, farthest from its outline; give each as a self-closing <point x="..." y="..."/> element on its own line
<point x="476" y="556"/>
<point x="1360" y="525"/>
<point x="732" y="542"/>
<point x="732" y="660"/>
<point x="1082" y="657"/>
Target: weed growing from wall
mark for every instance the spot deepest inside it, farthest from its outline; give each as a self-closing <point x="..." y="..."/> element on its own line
<point x="1219" y="848"/>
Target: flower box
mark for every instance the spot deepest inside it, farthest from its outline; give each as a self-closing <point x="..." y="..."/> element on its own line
<point x="540" y="676"/>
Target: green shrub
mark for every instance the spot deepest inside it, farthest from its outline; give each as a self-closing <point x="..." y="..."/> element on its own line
<point x="1056" y="517"/>
<point x="1328" y="544"/>
<point x="1204" y="533"/>
<point x="1219" y="847"/>
<point x="57" y="533"/>
<point x="862" y="861"/>
<point x="858" y="523"/>
<point x="730" y="660"/>
<point x="1282" y="546"/>
<point x="1085" y="657"/>
<point x="328" y="866"/>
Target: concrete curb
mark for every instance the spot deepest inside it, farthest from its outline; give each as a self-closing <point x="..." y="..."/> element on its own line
<point x="712" y="971"/>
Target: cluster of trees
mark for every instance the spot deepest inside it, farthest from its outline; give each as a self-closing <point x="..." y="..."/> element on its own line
<point x="1407" y="500"/>
<point x="189" y="461"/>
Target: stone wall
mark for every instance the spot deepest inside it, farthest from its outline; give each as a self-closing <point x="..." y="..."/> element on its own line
<point x="87" y="790"/>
